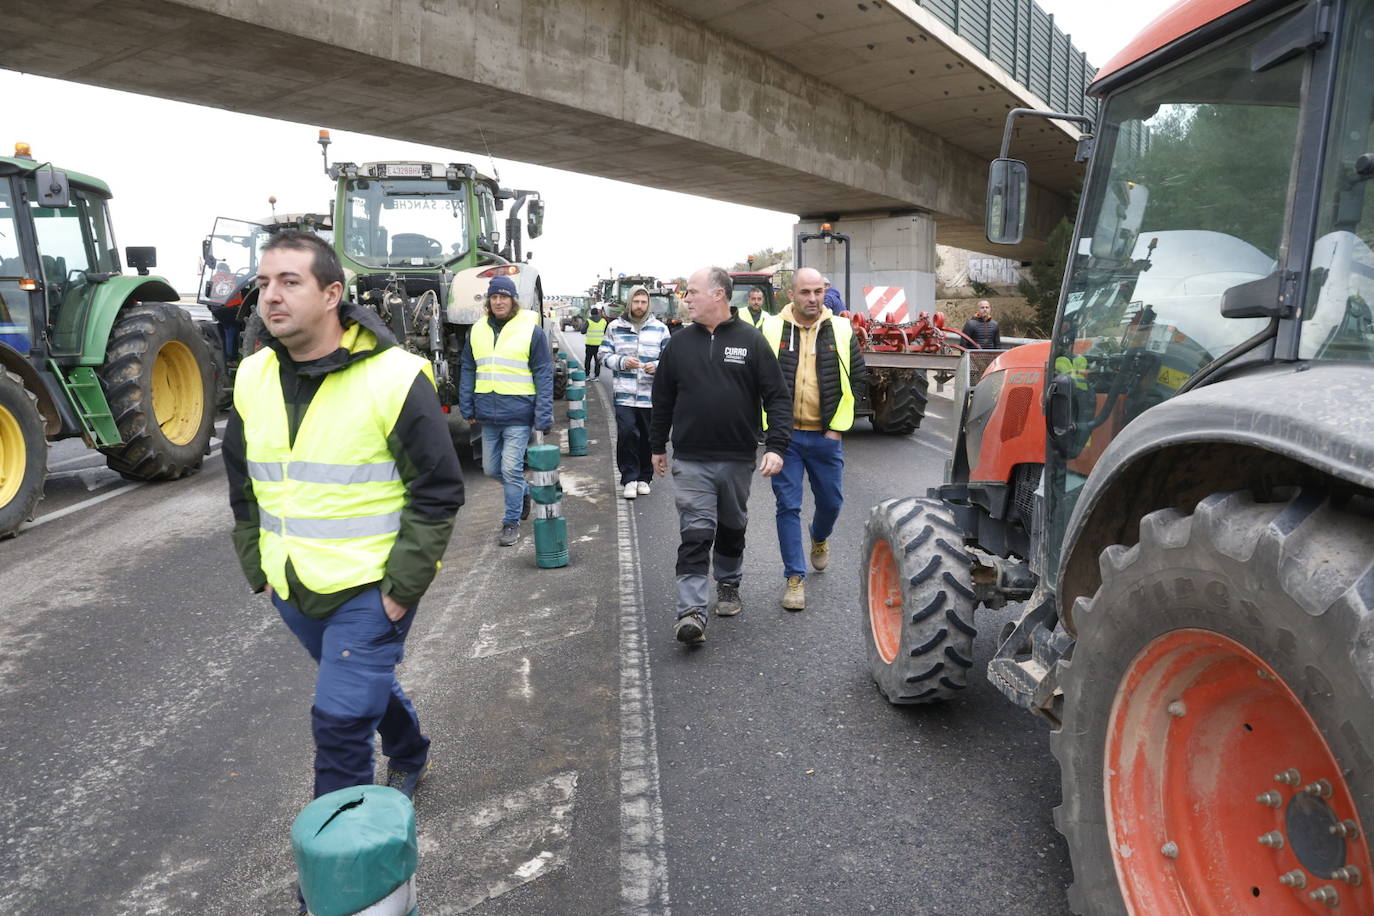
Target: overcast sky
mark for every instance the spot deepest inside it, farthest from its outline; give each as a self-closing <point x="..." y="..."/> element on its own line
<point x="169" y="189"/>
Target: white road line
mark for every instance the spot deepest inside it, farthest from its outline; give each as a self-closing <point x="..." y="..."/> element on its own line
<point x="87" y="503"/>
<point x="643" y="854"/>
<point x="77" y="507"/>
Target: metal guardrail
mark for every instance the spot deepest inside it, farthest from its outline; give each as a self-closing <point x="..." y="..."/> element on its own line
<point x="1023" y="40"/>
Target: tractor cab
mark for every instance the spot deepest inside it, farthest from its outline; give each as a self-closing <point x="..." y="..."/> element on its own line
<point x="57" y="248"/>
<point x="230" y="254"/>
<point x="745" y="283"/>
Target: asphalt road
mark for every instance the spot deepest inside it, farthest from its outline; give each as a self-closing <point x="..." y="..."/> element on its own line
<point x="155" y="744"/>
<point x="790" y="785"/>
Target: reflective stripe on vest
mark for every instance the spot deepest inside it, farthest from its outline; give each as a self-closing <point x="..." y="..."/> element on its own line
<point x="596" y="332"/>
<point x="843" y="418"/>
<point x="503" y="361"/>
<point x="330" y="503"/>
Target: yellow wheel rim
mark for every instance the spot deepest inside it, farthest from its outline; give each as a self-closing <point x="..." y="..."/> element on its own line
<point x="13" y="457"/>
<point x="178" y="396"/>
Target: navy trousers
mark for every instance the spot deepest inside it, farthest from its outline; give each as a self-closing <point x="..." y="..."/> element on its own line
<point x="357" y="649"/>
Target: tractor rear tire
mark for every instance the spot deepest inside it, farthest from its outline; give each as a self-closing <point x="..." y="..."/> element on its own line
<point x="157" y="379"/>
<point x="23" y="454"/>
<point x="899" y="400"/>
<point x="254" y="335"/>
<point x="916" y="598"/>
<point x="560" y="378"/>
<point x="221" y="381"/>
<point x="1226" y="646"/>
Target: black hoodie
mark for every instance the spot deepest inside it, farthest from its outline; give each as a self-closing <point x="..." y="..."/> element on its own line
<point x="424" y="456"/>
<point x="711" y="389"/>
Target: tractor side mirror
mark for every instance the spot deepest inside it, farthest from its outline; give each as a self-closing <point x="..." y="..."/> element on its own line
<point x="140" y="258"/>
<point x="53" y="189"/>
<point x="1008" y="188"/>
<point x="534" y="221"/>
<point x="207" y="255"/>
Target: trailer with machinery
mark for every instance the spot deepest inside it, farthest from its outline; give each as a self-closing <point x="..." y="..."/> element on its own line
<point x="87" y="350"/>
<point x="1179" y="485"/>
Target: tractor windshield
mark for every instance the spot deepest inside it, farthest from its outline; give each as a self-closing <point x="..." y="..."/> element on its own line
<point x="1187" y="198"/>
<point x="398" y="222"/>
<point x="1337" y="320"/>
<point x="233" y="254"/>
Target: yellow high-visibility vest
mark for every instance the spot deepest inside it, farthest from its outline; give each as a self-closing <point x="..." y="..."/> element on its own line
<point x="331" y="501"/>
<point x="503" y="361"/>
<point x="748" y="317"/>
<point x="844" y="334"/>
<point x="596" y="332"/>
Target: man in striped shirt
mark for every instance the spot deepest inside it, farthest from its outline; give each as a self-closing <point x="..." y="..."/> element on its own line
<point x="631" y="350"/>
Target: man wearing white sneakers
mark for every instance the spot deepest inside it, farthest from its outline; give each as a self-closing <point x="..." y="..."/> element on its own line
<point x="631" y="350"/>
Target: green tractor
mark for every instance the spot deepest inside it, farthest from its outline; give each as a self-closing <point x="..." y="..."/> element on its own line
<point x="419" y="242"/>
<point x="85" y="349"/>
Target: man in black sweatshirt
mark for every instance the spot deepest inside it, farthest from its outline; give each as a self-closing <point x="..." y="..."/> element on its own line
<point x="714" y="382"/>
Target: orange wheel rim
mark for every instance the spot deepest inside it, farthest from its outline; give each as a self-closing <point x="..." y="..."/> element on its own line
<point x="1222" y="795"/>
<point x="884" y="601"/>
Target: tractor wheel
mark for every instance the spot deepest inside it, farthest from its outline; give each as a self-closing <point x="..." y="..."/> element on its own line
<point x="899" y="400"/>
<point x="221" y="382"/>
<point x="1215" y="747"/>
<point x="157" y="378"/>
<point x="917" y="600"/>
<point x="560" y="378"/>
<point x="254" y="335"/>
<point x="23" y="453"/>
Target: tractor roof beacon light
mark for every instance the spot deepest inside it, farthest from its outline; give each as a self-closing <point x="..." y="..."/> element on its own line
<point x="826" y="235"/>
<point x="324" y="151"/>
<point x="22" y="151"/>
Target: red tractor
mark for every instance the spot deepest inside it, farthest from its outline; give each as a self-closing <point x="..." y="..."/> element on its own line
<point x="1179" y="485"/>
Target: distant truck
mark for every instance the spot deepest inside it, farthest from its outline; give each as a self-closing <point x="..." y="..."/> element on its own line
<point x="87" y="350"/>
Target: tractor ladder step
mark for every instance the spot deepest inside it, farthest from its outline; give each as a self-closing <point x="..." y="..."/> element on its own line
<point x="84" y="392"/>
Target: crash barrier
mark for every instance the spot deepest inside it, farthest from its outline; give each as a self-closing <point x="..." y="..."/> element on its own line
<point x="550" y="527"/>
<point x="356" y="852"/>
<point x="577" y="413"/>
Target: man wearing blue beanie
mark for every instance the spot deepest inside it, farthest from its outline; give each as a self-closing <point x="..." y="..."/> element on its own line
<point x="506" y="384"/>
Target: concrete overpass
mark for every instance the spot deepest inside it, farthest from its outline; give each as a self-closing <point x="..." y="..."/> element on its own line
<point x="880" y="115"/>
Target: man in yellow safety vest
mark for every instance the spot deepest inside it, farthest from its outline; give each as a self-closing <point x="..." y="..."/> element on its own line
<point x="754" y="314"/>
<point x="505" y="383"/>
<point x="343" y="483"/>
<point x="596" y="333"/>
<point x="823" y="365"/>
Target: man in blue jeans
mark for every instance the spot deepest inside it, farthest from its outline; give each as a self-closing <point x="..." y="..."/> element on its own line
<point x="343" y="483"/>
<point x="506" y="384"/>
<point x="823" y="366"/>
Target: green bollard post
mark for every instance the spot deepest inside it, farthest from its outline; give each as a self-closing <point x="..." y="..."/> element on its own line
<point x="577" y="413"/>
<point x="550" y="527"/>
<point x="355" y="850"/>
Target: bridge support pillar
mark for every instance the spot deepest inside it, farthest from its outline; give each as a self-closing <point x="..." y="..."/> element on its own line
<point x="886" y="251"/>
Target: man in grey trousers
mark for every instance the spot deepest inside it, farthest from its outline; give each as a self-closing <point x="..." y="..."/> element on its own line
<point x="714" y="382"/>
